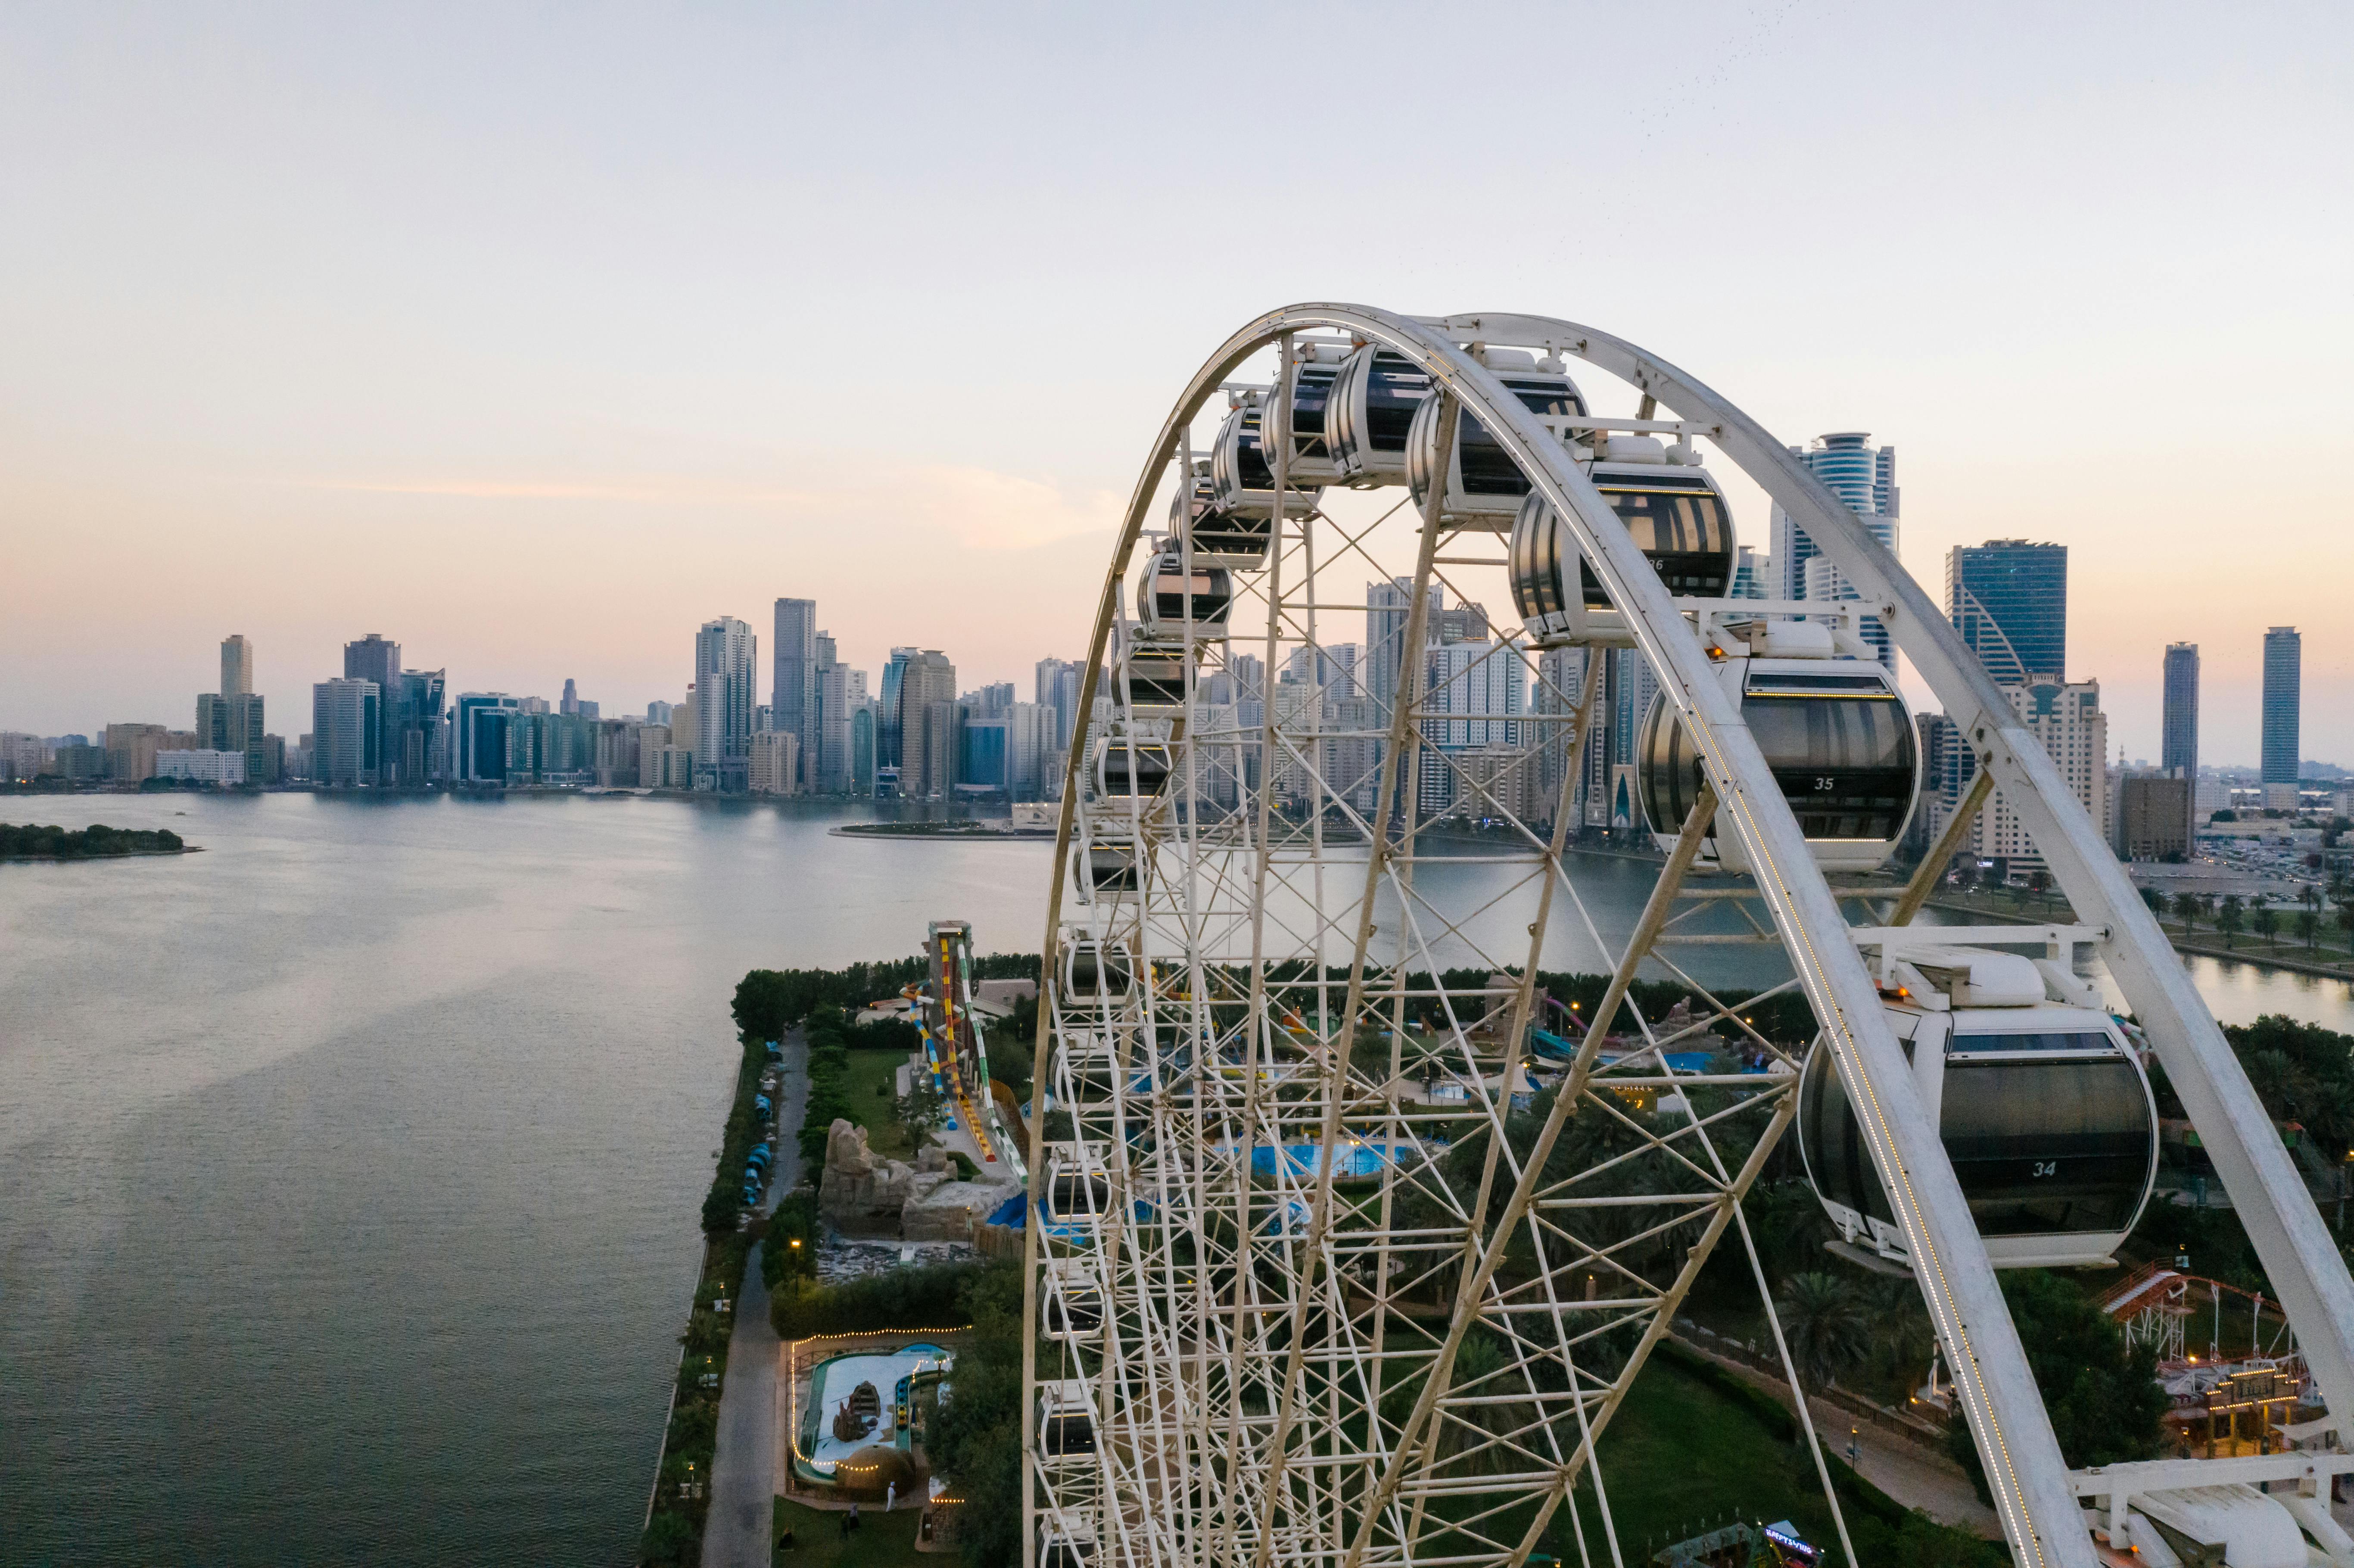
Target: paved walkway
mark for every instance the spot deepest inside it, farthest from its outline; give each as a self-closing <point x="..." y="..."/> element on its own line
<point x="1914" y="1474"/>
<point x="743" y="1470"/>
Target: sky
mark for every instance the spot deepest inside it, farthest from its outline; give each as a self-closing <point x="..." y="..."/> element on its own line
<point x="533" y="336"/>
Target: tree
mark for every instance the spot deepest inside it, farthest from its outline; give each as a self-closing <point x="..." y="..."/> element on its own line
<point x="2104" y="1397"/>
<point x="2155" y="900"/>
<point x="1826" y="1323"/>
<point x="976" y="1439"/>
<point x="2308" y="925"/>
<point x="2186" y="904"/>
<point x="2231" y="917"/>
<point x="2266" y="920"/>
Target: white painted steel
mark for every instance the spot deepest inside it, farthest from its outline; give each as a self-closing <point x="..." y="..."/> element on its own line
<point x="1226" y="1437"/>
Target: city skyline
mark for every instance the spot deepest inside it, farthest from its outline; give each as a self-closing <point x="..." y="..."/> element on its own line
<point x="526" y="406"/>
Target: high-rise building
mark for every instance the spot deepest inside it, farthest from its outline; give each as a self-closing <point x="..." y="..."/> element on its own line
<point x="725" y="650"/>
<point x="2068" y="721"/>
<point x="792" y="693"/>
<point x="829" y="774"/>
<point x="1057" y="691"/>
<point x="231" y="719"/>
<point x="861" y="745"/>
<point x="1753" y="575"/>
<point x="1387" y="606"/>
<point x="375" y="659"/>
<point x="927" y="715"/>
<point x="347" y="732"/>
<point x="481" y="726"/>
<point x="2009" y="599"/>
<point x="570" y="702"/>
<point x="889" y="745"/>
<point x="773" y="763"/>
<point x="658" y="712"/>
<point x="237" y="666"/>
<point x="2284" y="680"/>
<point x="1864" y="478"/>
<point x="131" y="750"/>
<point x="2178" y="744"/>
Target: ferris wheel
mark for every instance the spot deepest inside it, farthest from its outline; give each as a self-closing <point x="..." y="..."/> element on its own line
<point x="1345" y="1242"/>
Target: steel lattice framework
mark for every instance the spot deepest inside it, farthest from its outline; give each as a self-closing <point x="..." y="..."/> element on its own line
<point x="1308" y="1285"/>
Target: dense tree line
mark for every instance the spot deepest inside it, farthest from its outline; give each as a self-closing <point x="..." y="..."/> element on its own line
<point x="51" y="841"/>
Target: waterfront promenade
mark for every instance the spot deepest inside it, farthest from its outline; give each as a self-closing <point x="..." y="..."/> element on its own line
<point x="744" y="1466"/>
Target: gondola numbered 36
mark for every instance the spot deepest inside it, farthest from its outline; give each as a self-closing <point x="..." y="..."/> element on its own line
<point x="1835" y="732"/>
<point x="1483" y="483"/>
<point x="2040" y="1101"/>
<point x="1671" y="508"/>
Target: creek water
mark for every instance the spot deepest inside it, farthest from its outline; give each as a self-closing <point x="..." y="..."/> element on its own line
<point x="351" y="1166"/>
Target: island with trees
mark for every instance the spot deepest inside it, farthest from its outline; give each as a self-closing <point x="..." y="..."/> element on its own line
<point x="31" y="841"/>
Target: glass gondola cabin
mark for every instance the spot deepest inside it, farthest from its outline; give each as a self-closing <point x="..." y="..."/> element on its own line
<point x="1174" y="604"/>
<point x="1838" y="738"/>
<point x="1154" y="678"/>
<point x="1242" y="480"/>
<point x="1482" y="479"/>
<point x="2044" y="1108"/>
<point x="1368" y="414"/>
<point x="1126" y="767"/>
<point x="1316" y="368"/>
<point x="1219" y="536"/>
<point x="1675" y="512"/>
<point x="1095" y="971"/>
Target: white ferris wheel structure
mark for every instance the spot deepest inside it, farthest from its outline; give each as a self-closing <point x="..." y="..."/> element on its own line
<point x="1315" y="1275"/>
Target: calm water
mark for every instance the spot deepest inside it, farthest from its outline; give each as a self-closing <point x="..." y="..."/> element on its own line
<point x="351" y="1167"/>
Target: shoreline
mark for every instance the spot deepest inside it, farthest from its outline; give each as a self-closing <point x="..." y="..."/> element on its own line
<point x="2180" y="944"/>
<point x="111" y="855"/>
<point x="936" y="830"/>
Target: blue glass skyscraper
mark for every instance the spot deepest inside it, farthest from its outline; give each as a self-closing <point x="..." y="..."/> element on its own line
<point x="1864" y="479"/>
<point x="2009" y="601"/>
<point x="2284" y="682"/>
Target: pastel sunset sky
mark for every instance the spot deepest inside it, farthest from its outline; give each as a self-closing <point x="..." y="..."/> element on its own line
<point x="535" y="335"/>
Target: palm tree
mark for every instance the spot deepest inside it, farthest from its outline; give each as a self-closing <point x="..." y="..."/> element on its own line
<point x="2267" y="921"/>
<point x="2186" y="904"/>
<point x="2230" y="917"/>
<point x="2308" y="925"/>
<point x="1827" y="1324"/>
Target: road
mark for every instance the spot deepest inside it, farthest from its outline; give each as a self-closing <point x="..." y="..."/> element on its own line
<point x="744" y="1468"/>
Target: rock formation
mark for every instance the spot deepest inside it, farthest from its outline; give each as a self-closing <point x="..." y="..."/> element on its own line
<point x="861" y="1196"/>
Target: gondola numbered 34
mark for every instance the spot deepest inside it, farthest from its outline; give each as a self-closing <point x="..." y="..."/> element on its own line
<point x="2040" y="1099"/>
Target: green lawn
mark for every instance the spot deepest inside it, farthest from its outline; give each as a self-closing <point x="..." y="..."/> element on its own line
<point x="870" y="1071"/>
<point x="881" y="1540"/>
<point x="1681" y="1456"/>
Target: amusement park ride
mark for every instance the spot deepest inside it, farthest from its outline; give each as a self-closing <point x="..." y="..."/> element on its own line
<point x="1309" y="1289"/>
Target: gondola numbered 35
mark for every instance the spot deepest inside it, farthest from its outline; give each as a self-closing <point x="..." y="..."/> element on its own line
<point x="1835" y="732"/>
<point x="2040" y="1101"/>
